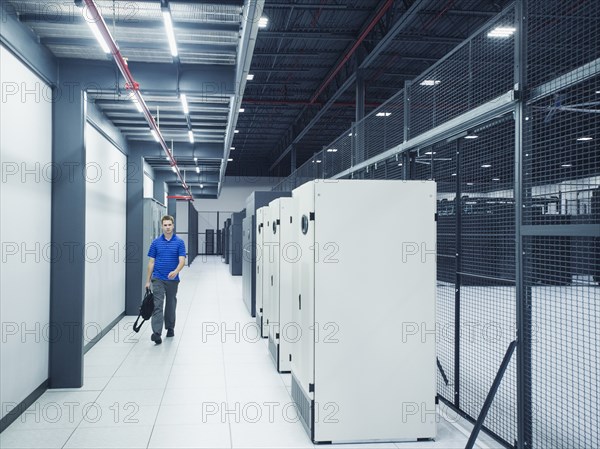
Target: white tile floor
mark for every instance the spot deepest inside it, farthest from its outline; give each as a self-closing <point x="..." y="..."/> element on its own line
<point x="211" y="386"/>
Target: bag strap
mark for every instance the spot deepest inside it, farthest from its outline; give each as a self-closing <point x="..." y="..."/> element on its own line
<point x="137" y="327"/>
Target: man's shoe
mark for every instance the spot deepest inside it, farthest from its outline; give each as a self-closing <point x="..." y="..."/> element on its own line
<point x="156" y="338"/>
<point x="170" y="333"/>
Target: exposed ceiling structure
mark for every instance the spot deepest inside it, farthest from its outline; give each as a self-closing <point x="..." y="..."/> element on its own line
<point x="304" y="67"/>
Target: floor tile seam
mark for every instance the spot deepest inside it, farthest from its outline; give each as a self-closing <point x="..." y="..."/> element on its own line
<point x="193" y="299"/>
<point x="103" y="388"/>
<point x="220" y="314"/>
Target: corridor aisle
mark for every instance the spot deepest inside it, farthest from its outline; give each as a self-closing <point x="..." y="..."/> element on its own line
<point x="211" y="386"/>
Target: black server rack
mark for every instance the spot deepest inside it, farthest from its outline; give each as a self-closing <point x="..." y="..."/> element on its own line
<point x="226" y="241"/>
<point x="235" y="243"/>
<point x="210" y="242"/>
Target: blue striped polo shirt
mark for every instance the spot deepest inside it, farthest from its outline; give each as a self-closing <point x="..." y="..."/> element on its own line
<point x="166" y="256"/>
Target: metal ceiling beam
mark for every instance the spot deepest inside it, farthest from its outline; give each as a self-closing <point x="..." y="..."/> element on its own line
<point x="320" y="5"/>
<point x="130" y="23"/>
<point x="320" y="35"/>
<point x="400" y="24"/>
<point x="251" y="14"/>
<point x="226" y="50"/>
<point x="199" y="150"/>
<point x="166" y="79"/>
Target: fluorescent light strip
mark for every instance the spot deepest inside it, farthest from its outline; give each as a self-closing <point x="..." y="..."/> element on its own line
<point x="430" y="82"/>
<point x="263" y="22"/>
<point x="155" y="135"/>
<point x="250" y="76"/>
<point x="137" y="104"/>
<point x="97" y="34"/>
<point x="383" y="114"/>
<point x="197" y="169"/>
<point x="184" y="104"/>
<point x="170" y="33"/>
<point x="584" y="139"/>
<point x="191" y="136"/>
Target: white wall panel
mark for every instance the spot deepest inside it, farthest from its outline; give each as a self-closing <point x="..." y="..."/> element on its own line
<point x="148" y="186"/>
<point x="25" y="201"/>
<point x="105" y="219"/>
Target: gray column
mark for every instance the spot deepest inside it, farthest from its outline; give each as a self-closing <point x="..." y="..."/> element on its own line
<point x="172" y="208"/>
<point x="159" y="190"/>
<point x="67" y="286"/>
<point x="135" y="253"/>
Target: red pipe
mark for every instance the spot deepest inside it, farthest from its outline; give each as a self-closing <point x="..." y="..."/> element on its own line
<point x="361" y="38"/>
<point x="181" y="197"/>
<point x="131" y="84"/>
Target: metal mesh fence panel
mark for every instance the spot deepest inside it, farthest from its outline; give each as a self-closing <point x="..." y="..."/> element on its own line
<point x="561" y="196"/>
<point x="565" y="317"/>
<point x="486" y="267"/>
<point x="384" y="127"/>
<point x="395" y="168"/>
<point x="476" y="72"/>
<point x="559" y="292"/>
<point x="443" y="167"/>
<point x="562" y="36"/>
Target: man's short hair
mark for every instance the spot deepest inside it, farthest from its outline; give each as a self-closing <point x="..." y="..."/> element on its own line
<point x="167" y="218"/>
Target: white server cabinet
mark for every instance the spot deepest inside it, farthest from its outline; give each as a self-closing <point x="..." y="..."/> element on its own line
<point x="279" y="313"/>
<point x="263" y="272"/>
<point x="364" y="367"/>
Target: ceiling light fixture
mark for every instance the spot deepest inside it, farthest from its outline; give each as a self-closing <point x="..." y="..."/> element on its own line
<point x="154" y="134"/>
<point x="250" y="76"/>
<point x="191" y="136"/>
<point x="184" y="104"/>
<point x="383" y="114"/>
<point x="471" y="136"/>
<point x="502" y="32"/>
<point x="495" y="179"/>
<point x="197" y="169"/>
<point x="263" y="22"/>
<point x="486" y="166"/>
<point x="332" y="150"/>
<point x="170" y="32"/>
<point x="229" y="160"/>
<point x="566" y="165"/>
<point x="430" y="82"/>
<point x="96" y="32"/>
<point x="137" y="104"/>
<point x="242" y="109"/>
<point x="236" y="131"/>
<point x="232" y="148"/>
<point x="584" y="139"/>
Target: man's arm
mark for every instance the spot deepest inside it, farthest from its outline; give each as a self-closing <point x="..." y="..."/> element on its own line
<point x="150" y="270"/>
<point x="180" y="266"/>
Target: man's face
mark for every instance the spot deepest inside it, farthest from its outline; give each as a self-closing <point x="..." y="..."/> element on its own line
<point x="167" y="226"/>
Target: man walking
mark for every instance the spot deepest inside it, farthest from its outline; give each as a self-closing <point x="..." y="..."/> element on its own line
<point x="167" y="259"/>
